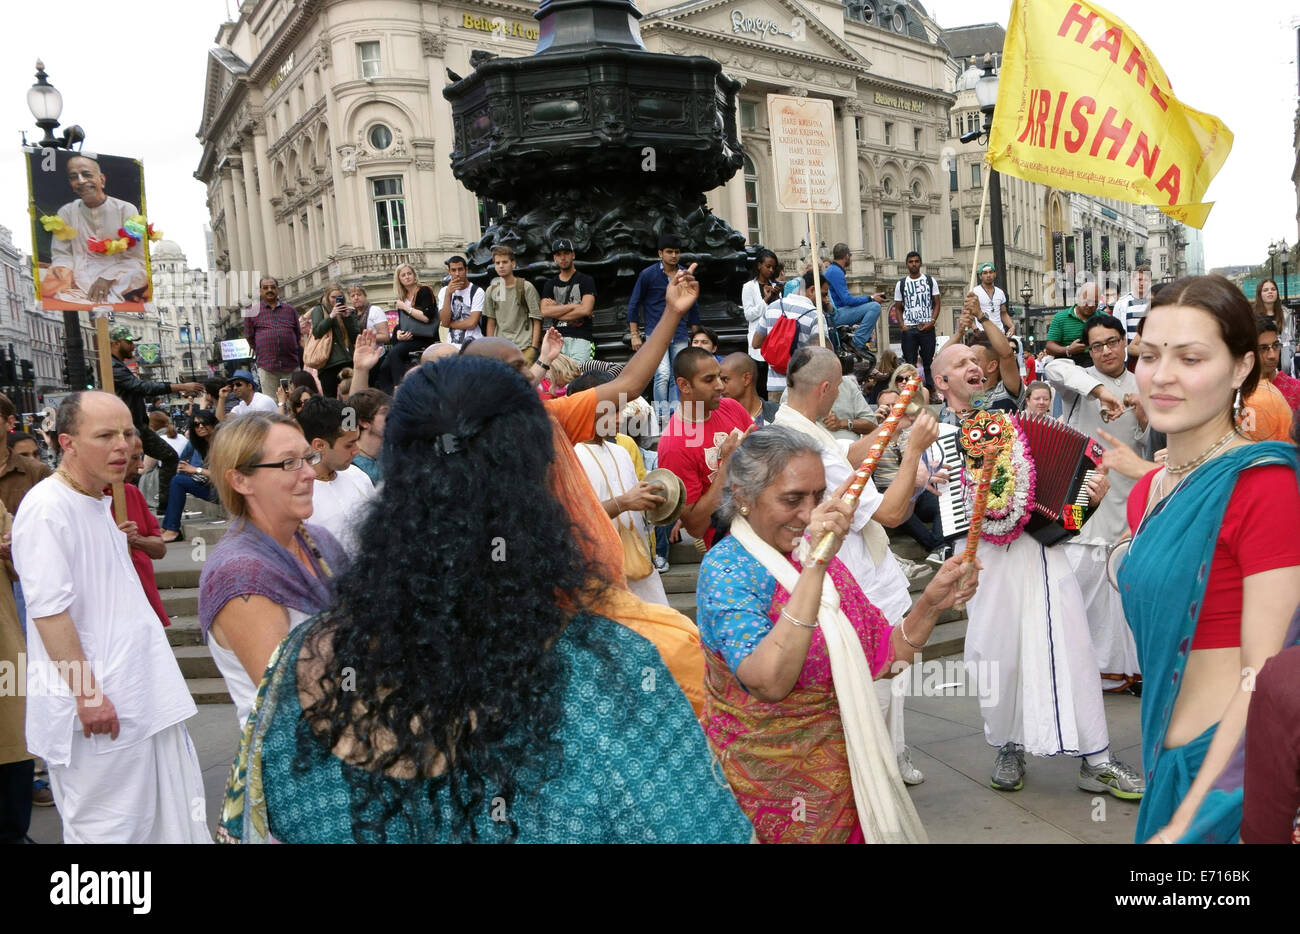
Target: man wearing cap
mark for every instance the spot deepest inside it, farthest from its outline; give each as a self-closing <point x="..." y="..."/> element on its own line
<point x="647" y="305"/>
<point x="250" y="400"/>
<point x="993" y="302"/>
<point x="135" y="391"/>
<point x="570" y="301"/>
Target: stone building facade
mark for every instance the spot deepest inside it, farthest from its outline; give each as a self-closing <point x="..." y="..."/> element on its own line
<point x="326" y="136"/>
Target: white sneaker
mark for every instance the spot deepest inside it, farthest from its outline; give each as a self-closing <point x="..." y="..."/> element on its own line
<point x="911" y="774"/>
<point x="661" y="563"/>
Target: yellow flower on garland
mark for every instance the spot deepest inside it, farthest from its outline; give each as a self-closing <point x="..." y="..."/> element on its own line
<point x="55" y="225"/>
<point x="1003" y="486"/>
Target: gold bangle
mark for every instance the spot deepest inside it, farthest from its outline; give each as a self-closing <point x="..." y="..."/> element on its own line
<point x="796" y="622"/>
<point x="903" y="632"/>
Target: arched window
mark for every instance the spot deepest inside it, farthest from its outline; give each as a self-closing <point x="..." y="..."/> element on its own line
<point x="753" y="222"/>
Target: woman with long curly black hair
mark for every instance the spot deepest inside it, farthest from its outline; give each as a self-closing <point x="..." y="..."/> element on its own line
<point x="450" y="694"/>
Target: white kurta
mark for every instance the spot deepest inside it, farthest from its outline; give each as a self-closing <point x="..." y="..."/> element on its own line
<point x="1112" y="640"/>
<point x="612" y="473"/>
<point x="72" y="558"/>
<point x="338" y="505"/>
<point x="125" y="269"/>
<point x="1028" y="637"/>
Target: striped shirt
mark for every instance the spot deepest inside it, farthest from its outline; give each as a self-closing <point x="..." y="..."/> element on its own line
<point x="274" y="336"/>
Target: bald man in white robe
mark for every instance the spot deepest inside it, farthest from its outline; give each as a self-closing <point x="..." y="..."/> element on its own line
<point x="77" y="273"/>
<point x="106" y="703"/>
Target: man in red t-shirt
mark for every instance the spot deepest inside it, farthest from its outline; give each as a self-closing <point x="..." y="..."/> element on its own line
<point x="700" y="437"/>
<point x="143" y="534"/>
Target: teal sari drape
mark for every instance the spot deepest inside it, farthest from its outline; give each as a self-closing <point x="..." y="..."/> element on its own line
<point x="1162" y="583"/>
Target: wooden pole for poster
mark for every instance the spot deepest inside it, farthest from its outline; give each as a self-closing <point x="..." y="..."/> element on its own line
<point x="816" y="260"/>
<point x="105" y="352"/>
<point x="975" y="250"/>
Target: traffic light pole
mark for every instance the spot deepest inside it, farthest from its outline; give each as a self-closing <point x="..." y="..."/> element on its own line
<point x="77" y="376"/>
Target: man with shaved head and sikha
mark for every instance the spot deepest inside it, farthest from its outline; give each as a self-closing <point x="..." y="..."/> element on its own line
<point x="106" y="703"/>
<point x="739" y="374"/>
<point x="77" y="273"/>
<point x="1027" y="623"/>
<point x="573" y="420"/>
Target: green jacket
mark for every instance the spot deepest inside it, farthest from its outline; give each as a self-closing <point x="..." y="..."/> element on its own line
<point x="345" y="334"/>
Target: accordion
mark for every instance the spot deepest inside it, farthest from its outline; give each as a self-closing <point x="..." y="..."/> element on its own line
<point x="1064" y="460"/>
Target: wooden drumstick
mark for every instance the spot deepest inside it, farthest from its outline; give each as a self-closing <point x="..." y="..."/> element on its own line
<point x="888" y="428"/>
<point x="985" y="475"/>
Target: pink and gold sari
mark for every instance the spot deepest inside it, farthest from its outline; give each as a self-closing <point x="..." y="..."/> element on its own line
<point x="787" y="762"/>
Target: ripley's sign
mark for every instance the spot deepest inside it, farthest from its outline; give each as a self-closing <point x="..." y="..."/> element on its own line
<point x="764" y="28"/>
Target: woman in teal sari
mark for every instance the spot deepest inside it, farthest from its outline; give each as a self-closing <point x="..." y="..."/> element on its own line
<point x="1211" y="579"/>
<point x="458" y="690"/>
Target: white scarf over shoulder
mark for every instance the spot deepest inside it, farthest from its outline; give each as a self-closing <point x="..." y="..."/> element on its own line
<point x="884" y="809"/>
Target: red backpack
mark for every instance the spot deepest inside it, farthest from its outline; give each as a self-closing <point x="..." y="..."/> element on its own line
<point x="781" y="342"/>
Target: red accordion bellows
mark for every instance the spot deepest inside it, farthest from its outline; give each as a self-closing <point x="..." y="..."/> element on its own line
<point x="1056" y="450"/>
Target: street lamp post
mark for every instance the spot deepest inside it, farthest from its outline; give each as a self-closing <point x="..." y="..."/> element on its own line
<point x="46" y="104"/>
<point x="986" y="93"/>
<point x="1026" y="293"/>
<point x="1286" y="279"/>
<point x="1272" y="261"/>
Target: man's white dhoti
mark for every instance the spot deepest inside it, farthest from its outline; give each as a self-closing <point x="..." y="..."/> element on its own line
<point x="149" y="792"/>
<point x="1112" y="640"/>
<point x="1028" y="635"/>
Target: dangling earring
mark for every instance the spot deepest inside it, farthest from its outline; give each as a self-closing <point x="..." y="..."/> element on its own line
<point x="1236" y="407"/>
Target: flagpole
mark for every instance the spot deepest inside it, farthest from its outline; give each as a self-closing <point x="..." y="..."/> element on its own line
<point x="979" y="237"/>
<point x="816" y="259"/>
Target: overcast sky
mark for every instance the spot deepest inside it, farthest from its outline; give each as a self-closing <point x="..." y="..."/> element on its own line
<point x="132" y="76"/>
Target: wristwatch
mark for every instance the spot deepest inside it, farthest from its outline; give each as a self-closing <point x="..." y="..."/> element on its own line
<point x="543" y="364"/>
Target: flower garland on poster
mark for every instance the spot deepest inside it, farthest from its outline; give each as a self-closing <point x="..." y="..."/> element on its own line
<point x="129" y="234"/>
<point x="1011" y="492"/>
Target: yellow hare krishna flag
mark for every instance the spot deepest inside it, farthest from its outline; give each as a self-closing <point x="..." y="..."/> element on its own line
<point x="1083" y="105"/>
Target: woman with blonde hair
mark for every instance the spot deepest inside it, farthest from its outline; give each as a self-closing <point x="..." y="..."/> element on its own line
<point x="563" y="370"/>
<point x="417" y="301"/>
<point x="900" y="375"/>
<point x="280" y="567"/>
<point x="335" y="316"/>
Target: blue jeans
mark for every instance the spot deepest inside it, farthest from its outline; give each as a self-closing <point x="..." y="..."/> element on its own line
<point x="665" y="392"/>
<point x="864" y="316"/>
<point x="181" y="485"/>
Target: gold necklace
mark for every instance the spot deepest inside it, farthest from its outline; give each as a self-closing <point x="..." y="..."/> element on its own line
<point x="68" y="479"/>
<point x="1192" y="465"/>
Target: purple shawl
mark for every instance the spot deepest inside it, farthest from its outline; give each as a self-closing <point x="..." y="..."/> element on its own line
<point x="248" y="561"/>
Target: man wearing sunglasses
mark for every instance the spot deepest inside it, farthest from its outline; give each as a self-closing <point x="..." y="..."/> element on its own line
<point x="1117" y="420"/>
<point x="241" y="386"/>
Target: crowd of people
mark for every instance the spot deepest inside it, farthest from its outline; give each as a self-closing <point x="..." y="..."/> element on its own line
<point x="440" y="606"/>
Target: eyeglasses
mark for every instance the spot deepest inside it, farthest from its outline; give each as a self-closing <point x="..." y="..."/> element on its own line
<point x="290" y="463"/>
<point x="238" y="384"/>
<point x="1106" y="345"/>
<point x="1276" y="345"/>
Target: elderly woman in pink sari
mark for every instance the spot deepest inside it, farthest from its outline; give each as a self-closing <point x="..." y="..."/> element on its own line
<point x="791" y="649"/>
